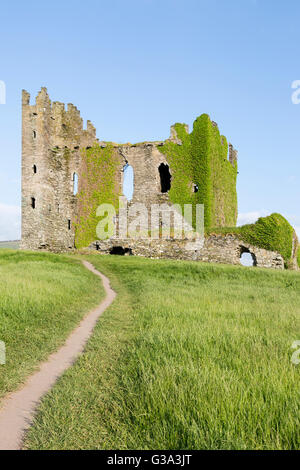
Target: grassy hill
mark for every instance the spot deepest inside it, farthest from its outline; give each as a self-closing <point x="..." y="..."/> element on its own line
<point x="190" y="356"/>
<point x="42" y="298"/>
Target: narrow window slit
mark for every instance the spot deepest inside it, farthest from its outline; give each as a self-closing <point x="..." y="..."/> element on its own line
<point x="75" y="184"/>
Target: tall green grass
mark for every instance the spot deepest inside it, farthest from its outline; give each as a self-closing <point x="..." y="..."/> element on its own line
<point x="42" y="298"/>
<point x="190" y="356"/>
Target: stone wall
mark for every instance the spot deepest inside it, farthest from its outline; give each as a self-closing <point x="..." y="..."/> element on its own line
<point x="216" y="249"/>
<point x="145" y="160"/>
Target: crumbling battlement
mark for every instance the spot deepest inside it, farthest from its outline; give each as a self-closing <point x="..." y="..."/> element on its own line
<point x="53" y="124"/>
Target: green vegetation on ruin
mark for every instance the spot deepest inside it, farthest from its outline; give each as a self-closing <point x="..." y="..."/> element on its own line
<point x="189" y="356"/>
<point x="202" y="159"/>
<point x="272" y="233"/>
<point x="42" y="299"/>
<point x="99" y="184"/>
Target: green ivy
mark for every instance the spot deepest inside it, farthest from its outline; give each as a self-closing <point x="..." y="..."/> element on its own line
<point x="98" y="184"/>
<point x="181" y="168"/>
<point x="272" y="233"/>
<point x="202" y="160"/>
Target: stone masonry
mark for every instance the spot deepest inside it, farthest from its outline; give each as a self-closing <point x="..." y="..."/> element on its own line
<point x="216" y="248"/>
<point x="51" y="142"/>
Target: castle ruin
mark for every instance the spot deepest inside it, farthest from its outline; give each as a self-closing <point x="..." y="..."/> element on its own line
<point x="196" y="167"/>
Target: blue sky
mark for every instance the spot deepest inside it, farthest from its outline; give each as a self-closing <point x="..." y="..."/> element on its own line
<point x="135" y="67"/>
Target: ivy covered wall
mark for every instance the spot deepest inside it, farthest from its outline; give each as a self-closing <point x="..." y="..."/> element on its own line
<point x="272" y="233"/>
<point x="99" y="183"/>
<point x="202" y="161"/>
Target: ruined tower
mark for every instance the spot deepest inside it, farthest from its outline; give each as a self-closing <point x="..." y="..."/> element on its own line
<point x="51" y="140"/>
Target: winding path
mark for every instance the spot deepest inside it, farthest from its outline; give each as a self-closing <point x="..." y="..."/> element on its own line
<point x="18" y="409"/>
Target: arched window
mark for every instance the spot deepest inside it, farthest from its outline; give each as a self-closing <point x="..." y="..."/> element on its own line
<point x="75" y="184"/>
<point x="33" y="202"/>
<point x="34" y="169"/>
<point x="34" y="134"/>
<point x="128" y="182"/>
<point x="165" y="177"/>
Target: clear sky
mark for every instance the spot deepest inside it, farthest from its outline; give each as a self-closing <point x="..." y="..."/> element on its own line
<point x="135" y="67"/>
